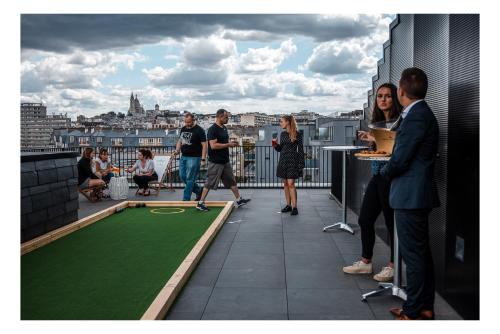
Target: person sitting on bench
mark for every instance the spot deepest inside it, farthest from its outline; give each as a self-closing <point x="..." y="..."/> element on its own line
<point x="86" y="178"/>
<point x="144" y="169"/>
<point x="103" y="166"/>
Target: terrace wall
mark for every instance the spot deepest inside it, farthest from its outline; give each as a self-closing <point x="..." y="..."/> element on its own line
<point x="49" y="195"/>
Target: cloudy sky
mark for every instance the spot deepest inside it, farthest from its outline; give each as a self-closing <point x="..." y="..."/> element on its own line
<point x="90" y="64"/>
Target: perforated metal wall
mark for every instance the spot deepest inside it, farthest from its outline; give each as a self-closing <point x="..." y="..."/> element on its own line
<point x="431" y="55"/>
<point x="462" y="277"/>
<point x="446" y="47"/>
<point x="401" y="46"/>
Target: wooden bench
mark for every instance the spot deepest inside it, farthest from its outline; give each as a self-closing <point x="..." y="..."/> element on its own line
<point x="93" y="194"/>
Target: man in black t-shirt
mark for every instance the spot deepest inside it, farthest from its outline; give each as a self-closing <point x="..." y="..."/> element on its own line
<point x="192" y="144"/>
<point x="219" y="167"/>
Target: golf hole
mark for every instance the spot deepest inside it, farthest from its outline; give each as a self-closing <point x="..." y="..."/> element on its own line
<point x="167" y="211"/>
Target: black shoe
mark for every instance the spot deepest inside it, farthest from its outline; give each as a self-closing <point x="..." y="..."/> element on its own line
<point x="202" y="207"/>
<point x="241" y="202"/>
<point x="294" y="212"/>
<point x="287" y="208"/>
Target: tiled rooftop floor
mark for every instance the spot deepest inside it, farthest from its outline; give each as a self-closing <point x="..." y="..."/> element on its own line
<point x="267" y="265"/>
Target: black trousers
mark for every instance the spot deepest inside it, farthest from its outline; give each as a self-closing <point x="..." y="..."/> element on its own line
<point x="142" y="180"/>
<point x="375" y="201"/>
<point x="413" y="235"/>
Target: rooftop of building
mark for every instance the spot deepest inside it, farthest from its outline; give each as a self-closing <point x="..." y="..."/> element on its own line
<point x="267" y="265"/>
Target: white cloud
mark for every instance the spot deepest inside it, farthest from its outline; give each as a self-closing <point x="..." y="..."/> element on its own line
<point x="183" y="75"/>
<point x="333" y="58"/>
<point x="80" y="70"/>
<point x="249" y="35"/>
<point x="266" y="59"/>
<point x="208" y="51"/>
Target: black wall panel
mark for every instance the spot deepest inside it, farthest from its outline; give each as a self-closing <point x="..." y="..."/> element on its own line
<point x="401" y="46"/>
<point x="431" y="55"/>
<point x="462" y="275"/>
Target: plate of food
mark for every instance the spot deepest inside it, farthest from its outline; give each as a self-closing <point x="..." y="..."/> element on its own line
<point x="370" y="154"/>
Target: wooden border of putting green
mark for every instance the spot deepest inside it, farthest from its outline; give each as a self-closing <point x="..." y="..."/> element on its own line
<point x="165" y="298"/>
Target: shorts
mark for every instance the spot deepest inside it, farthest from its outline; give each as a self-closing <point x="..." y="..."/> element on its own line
<point x="85" y="184"/>
<point x="217" y="173"/>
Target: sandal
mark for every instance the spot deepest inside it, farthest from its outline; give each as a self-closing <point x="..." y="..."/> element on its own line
<point x="146" y="193"/>
<point x="140" y="192"/>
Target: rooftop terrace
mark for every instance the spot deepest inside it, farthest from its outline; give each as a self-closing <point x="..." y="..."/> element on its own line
<point x="267" y="265"/>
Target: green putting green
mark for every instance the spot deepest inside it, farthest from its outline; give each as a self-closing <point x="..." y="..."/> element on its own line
<point x="112" y="269"/>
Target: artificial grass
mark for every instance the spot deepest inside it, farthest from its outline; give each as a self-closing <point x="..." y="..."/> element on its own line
<point x="112" y="269"/>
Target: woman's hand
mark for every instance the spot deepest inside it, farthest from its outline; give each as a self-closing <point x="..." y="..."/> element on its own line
<point x="366" y="136"/>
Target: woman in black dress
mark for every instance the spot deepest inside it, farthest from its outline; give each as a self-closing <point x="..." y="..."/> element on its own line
<point x="291" y="161"/>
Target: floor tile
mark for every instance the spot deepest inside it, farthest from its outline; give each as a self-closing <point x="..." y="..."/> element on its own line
<point x="252" y="278"/>
<point x="243" y="302"/>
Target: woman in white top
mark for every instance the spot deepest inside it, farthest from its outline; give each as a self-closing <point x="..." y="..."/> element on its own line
<point x="144" y="171"/>
<point x="103" y="166"/>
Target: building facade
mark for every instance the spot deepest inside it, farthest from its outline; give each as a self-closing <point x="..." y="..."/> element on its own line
<point x="37" y="127"/>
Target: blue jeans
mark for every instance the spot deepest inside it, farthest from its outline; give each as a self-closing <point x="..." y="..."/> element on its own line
<point x="106" y="178"/>
<point x="189" y="168"/>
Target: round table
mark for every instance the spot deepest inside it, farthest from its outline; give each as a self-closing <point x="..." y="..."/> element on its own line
<point x="344" y="149"/>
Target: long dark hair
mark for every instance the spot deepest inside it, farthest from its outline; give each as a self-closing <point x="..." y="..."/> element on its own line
<point x="87" y="152"/>
<point x="377" y="114"/>
<point x="146" y="153"/>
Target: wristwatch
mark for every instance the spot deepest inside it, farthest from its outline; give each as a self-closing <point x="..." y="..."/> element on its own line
<point x="203" y="159"/>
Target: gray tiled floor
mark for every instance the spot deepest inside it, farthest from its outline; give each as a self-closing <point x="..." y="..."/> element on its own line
<point x="268" y="265"/>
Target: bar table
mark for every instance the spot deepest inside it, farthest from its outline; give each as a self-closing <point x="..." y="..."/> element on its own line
<point x="344" y="149"/>
<point x="394" y="288"/>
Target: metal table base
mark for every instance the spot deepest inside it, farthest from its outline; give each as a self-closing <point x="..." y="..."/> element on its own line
<point x="343" y="224"/>
<point x="394" y="288"/>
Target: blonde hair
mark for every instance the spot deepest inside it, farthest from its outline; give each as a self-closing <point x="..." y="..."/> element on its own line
<point x="291" y="127"/>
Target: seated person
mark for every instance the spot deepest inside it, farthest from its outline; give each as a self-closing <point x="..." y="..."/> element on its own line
<point x="103" y="166"/>
<point x="86" y="178"/>
<point x="144" y="171"/>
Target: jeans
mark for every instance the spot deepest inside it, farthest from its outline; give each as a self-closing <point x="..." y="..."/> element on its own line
<point x="106" y="178"/>
<point x="376" y="200"/>
<point x="143" y="180"/>
<point x="189" y="169"/>
<point x="413" y="235"/>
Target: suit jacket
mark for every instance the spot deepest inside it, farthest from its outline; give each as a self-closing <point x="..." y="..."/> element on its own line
<point x="411" y="167"/>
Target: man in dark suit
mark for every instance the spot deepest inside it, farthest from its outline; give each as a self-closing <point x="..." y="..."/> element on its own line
<point x="413" y="192"/>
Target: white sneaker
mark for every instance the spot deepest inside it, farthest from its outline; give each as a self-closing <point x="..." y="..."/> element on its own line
<point x="359" y="267"/>
<point x="385" y="275"/>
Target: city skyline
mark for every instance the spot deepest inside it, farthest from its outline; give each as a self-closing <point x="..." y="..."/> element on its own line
<point x="90" y="64"/>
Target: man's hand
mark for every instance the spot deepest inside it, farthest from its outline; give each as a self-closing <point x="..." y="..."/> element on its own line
<point x="233" y="144"/>
<point x="203" y="163"/>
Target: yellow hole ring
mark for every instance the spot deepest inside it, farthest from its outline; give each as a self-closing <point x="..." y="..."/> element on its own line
<point x="159" y="211"/>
